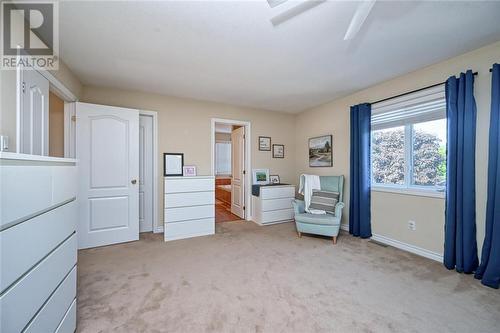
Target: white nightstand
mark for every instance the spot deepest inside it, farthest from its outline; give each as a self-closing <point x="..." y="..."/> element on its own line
<point x="273" y="205"/>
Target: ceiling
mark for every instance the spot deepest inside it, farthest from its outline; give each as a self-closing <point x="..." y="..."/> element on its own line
<point x="229" y="51"/>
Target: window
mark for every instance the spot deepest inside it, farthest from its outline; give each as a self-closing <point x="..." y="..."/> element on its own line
<point x="223" y="158"/>
<point x="408" y="148"/>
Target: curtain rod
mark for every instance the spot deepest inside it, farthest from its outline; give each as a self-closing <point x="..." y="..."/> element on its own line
<point x="413" y="91"/>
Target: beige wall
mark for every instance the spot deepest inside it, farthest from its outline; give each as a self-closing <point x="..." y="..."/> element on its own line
<point x="185" y="126"/>
<point x="391" y="212"/>
<point x="56" y="126"/>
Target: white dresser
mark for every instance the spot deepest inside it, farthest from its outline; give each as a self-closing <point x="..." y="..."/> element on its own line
<point x="38" y="245"/>
<point x="273" y="205"/>
<point x="189" y="207"/>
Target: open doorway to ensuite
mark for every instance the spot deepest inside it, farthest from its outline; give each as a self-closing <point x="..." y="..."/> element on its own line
<point x="229" y="163"/>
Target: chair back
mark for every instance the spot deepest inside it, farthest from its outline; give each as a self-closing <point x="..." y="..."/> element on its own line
<point x="333" y="184"/>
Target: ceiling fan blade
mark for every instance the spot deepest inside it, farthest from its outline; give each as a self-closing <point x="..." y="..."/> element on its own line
<point x="294" y="11"/>
<point x="274" y="3"/>
<point x="359" y="18"/>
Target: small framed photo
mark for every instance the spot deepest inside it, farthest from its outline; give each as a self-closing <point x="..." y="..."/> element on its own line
<point x="172" y="164"/>
<point x="274" y="179"/>
<point x="278" y="151"/>
<point x="189" y="170"/>
<point x="260" y="176"/>
<point x="264" y="143"/>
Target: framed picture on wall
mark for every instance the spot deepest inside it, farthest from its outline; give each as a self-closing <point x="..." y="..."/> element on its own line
<point x="173" y="164"/>
<point x="320" y="151"/>
<point x="264" y="143"/>
<point x="278" y="151"/>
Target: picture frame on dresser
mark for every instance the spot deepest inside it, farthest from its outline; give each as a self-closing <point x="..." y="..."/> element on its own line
<point x="173" y="164"/>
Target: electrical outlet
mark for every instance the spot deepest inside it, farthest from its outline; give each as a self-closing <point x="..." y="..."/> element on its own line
<point x="412" y="225"/>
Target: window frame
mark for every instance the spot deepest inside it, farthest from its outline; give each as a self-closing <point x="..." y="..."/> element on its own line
<point x="408" y="187"/>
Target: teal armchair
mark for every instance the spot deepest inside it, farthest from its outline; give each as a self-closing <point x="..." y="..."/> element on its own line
<point x="321" y="224"/>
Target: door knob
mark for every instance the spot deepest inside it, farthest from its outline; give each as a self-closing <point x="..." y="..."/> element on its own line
<point x="133" y="181"/>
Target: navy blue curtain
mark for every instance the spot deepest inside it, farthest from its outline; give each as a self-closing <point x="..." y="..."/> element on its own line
<point x="360" y="178"/>
<point x="489" y="270"/>
<point x="460" y="245"/>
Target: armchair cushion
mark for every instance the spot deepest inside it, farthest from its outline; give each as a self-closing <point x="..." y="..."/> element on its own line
<point x="322" y="219"/>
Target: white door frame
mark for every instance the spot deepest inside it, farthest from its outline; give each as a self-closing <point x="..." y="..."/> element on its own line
<point x="248" y="158"/>
<point x="55" y="86"/>
<point x="154" y="115"/>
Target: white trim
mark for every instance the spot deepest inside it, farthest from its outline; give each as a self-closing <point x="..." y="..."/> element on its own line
<point x="69" y="129"/>
<point x="410" y="191"/>
<point x="158" y="229"/>
<point x="248" y="158"/>
<point x="154" y="115"/>
<point x="58" y="87"/>
<point x="408" y="247"/>
<point x="402" y="246"/>
<point x="4" y="155"/>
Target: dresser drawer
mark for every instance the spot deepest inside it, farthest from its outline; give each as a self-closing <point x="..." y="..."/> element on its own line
<point x="53" y="312"/>
<point x="173" y="200"/>
<point x="189" y="213"/>
<point x="187" y="229"/>
<point x="68" y="324"/>
<point x="276" y="204"/>
<point x="22" y="301"/>
<point x="25" y="244"/>
<point x="35" y="187"/>
<point x="274" y="192"/>
<point x="277" y="215"/>
<point x="189" y="185"/>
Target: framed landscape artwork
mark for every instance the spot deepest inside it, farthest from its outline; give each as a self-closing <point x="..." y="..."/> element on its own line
<point x="320" y="151"/>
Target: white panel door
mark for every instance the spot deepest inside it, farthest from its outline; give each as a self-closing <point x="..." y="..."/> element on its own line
<point x="34" y="115"/>
<point x="145" y="173"/>
<point x="107" y="141"/>
<point x="238" y="178"/>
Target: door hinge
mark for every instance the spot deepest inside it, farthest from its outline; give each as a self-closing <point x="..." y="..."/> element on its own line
<point x="244" y="172"/>
<point x="73" y="118"/>
<point x="23" y="87"/>
<point x="243" y="207"/>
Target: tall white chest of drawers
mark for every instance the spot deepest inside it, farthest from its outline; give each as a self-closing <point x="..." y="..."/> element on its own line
<point x="273" y="205"/>
<point x="38" y="245"/>
<point x="189" y="207"/>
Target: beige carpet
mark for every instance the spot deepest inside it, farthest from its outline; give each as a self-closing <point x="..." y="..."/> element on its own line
<point x="248" y="278"/>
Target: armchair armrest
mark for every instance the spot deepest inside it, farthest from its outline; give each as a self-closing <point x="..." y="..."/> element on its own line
<point x="338" y="209"/>
<point x="298" y="206"/>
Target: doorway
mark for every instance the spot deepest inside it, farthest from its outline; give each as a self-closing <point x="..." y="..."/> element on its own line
<point x="230" y="157"/>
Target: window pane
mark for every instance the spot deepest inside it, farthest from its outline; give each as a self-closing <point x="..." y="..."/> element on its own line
<point x="388" y="156"/>
<point x="223" y="158"/>
<point x="429" y="153"/>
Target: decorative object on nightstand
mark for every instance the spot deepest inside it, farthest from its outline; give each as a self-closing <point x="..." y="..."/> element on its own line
<point x="264" y="143"/>
<point x="189" y="170"/>
<point x="274" y="179"/>
<point x="260" y="176"/>
<point x="173" y="164"/>
<point x="320" y="151"/>
<point x="278" y="151"/>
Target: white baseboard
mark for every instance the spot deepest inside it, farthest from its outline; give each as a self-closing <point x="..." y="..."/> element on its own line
<point x="402" y="246"/>
<point x="158" y="229"/>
